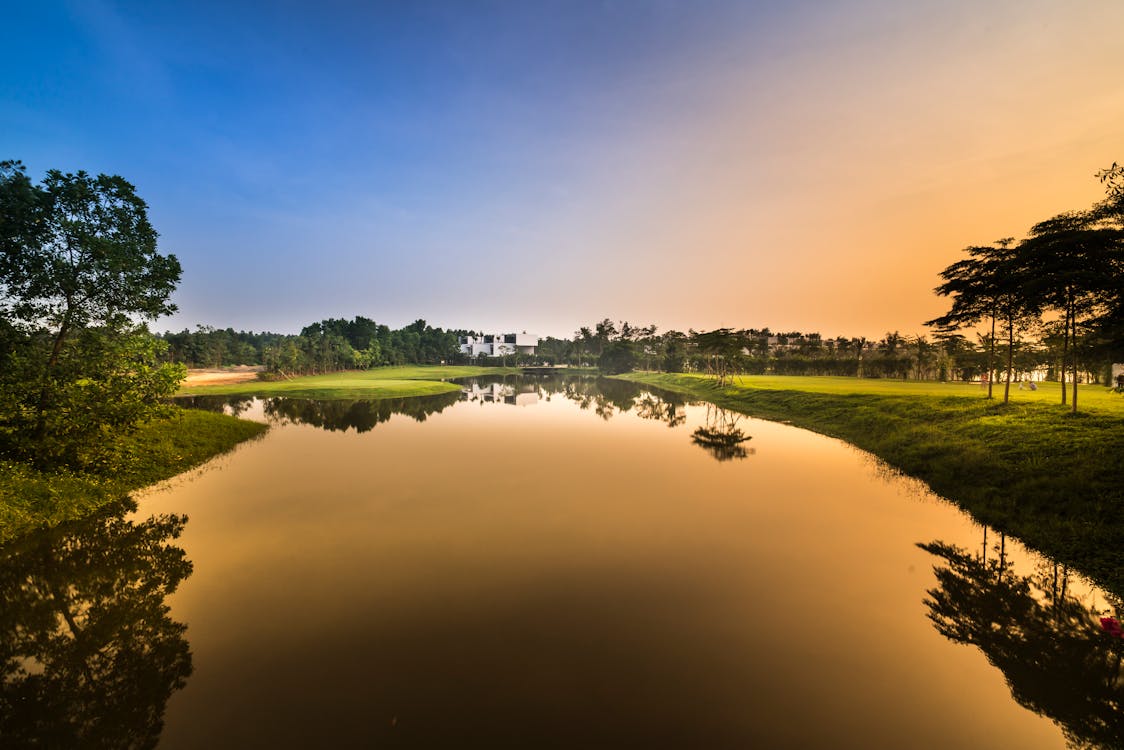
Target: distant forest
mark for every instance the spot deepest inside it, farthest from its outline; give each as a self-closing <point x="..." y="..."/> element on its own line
<point x="361" y="343"/>
<point x="328" y="346"/>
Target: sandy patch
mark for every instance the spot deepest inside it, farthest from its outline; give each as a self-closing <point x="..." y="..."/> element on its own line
<point x="221" y="377"/>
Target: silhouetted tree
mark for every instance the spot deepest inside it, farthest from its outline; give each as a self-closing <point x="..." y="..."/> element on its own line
<point x="88" y="652"/>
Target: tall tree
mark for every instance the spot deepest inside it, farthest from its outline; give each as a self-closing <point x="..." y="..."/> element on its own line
<point x="604" y="332"/>
<point x="79" y="267"/>
<point x="971" y="283"/>
<point x="1073" y="263"/>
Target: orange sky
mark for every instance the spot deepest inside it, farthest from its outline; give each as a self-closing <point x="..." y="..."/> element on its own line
<point x="825" y="189"/>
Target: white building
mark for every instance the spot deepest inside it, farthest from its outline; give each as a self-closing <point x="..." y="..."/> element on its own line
<point x="498" y="344"/>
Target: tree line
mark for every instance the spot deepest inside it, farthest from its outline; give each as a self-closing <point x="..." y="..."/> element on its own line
<point x="326" y="346"/>
<point x="1063" y="283"/>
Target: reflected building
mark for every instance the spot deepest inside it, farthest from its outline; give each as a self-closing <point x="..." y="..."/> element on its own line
<point x="524" y="394"/>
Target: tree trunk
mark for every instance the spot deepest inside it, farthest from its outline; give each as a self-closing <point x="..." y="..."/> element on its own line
<point x="991" y="357"/>
<point x="1010" y="358"/>
<point x="44" y="389"/>
<point x="1073" y="319"/>
<point x="1065" y="348"/>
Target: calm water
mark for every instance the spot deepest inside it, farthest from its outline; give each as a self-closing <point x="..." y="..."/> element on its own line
<point x="539" y="565"/>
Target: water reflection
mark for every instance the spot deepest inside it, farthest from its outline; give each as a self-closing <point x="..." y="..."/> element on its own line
<point x="500" y="392"/>
<point x="1056" y="656"/>
<point x="88" y="652"/>
<point x="558" y="577"/>
<point x="234" y="405"/>
<point x="362" y="416"/>
<point x="721" y="436"/>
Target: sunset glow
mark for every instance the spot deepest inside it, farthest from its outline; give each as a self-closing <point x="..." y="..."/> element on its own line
<point x="543" y="165"/>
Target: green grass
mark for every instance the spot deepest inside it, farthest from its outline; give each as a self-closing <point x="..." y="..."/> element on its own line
<point x="382" y="382"/>
<point x="159" y="450"/>
<point x="1089" y="397"/>
<point x="1029" y="468"/>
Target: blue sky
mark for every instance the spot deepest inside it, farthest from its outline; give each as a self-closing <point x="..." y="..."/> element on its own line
<point x="539" y="166"/>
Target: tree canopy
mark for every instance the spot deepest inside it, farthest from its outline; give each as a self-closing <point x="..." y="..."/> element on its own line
<point x="79" y="273"/>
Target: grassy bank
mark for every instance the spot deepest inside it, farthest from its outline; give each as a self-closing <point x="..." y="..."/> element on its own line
<point x="1029" y="468"/>
<point x="382" y="382"/>
<point x="161" y="449"/>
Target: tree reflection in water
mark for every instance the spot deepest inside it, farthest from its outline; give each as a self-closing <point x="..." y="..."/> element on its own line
<point x="1057" y="659"/>
<point x="721" y="437"/>
<point x="362" y="416"/>
<point x="234" y="405"/>
<point x="88" y="652"/>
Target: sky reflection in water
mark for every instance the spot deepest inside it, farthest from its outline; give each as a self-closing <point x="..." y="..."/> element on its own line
<point x="570" y="570"/>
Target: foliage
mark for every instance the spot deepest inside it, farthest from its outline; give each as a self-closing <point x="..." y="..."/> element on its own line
<point x="617" y="357"/>
<point x="102" y="385"/>
<point x="330" y="345"/>
<point x="79" y="266"/>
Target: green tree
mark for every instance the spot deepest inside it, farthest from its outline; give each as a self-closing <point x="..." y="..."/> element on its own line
<point x="722" y="349"/>
<point x="976" y="285"/>
<point x="79" y="268"/>
<point x="1074" y="263"/>
<point x="618" y="357"/>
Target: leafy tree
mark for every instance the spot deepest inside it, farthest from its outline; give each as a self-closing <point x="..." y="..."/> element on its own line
<point x="1073" y="264"/>
<point x="1113" y="180"/>
<point x="722" y="348"/>
<point x="618" y="357"/>
<point x="976" y="285"/>
<point x="79" y="267"/>
<point x="675" y="351"/>
<point x="604" y="332"/>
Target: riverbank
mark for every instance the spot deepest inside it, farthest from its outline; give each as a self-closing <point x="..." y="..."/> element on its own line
<point x="159" y="450"/>
<point x="1029" y="468"/>
<point x="377" y="383"/>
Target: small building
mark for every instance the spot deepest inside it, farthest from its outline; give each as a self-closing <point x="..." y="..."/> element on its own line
<point x="498" y="344"/>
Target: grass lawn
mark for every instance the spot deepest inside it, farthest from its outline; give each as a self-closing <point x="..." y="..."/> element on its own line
<point x="1029" y="468"/>
<point x="159" y="450"/>
<point x="381" y="382"/>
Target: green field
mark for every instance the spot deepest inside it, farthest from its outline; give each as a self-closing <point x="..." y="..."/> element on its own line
<point x="382" y="382"/>
<point x="1093" y="397"/>
<point x="159" y="450"/>
<point x="1029" y="468"/>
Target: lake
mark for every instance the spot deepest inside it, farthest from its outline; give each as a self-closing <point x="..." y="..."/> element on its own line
<point x="543" y="562"/>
